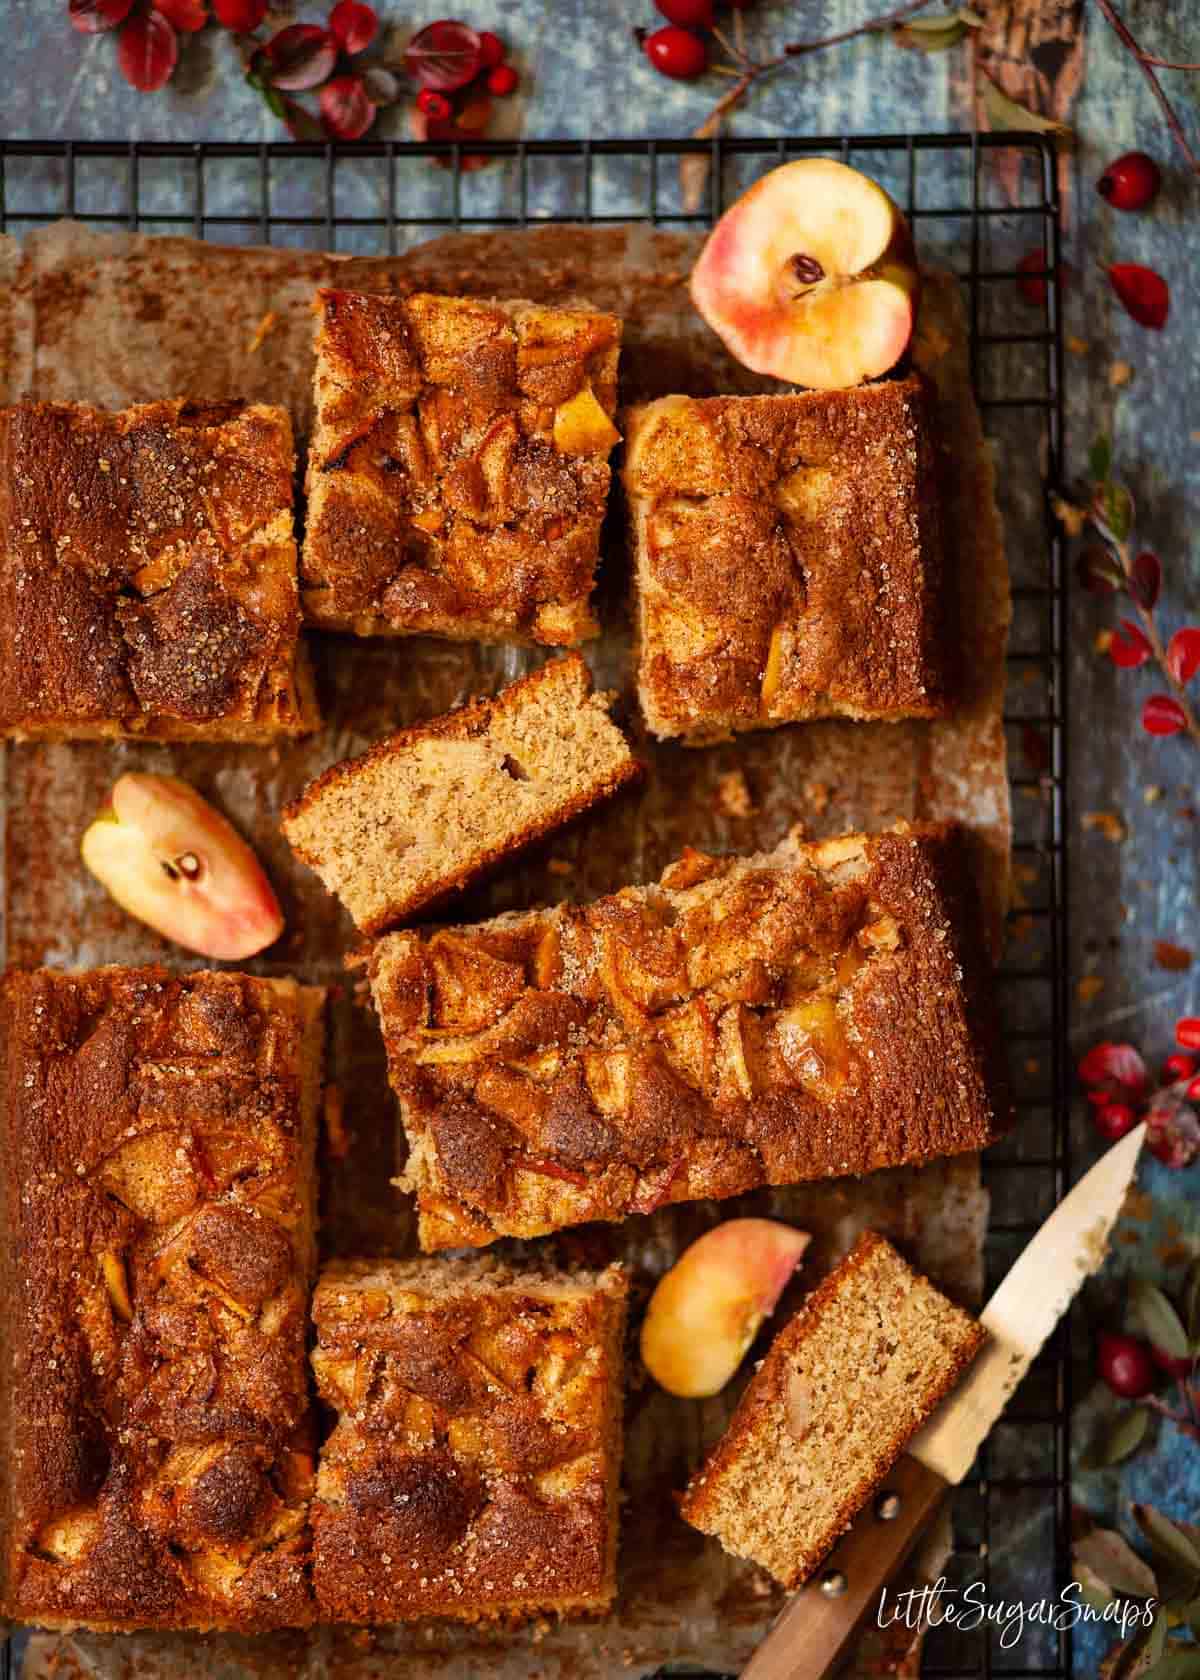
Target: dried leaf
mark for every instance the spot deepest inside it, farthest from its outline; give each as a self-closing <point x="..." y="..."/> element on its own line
<point x="1163" y="715"/>
<point x="1177" y="1664"/>
<point x="1183" y="654"/>
<point x="1109" y="1554"/>
<point x="932" y="34"/>
<point x="1160" y="1321"/>
<point x="1167" y="1540"/>
<point x="1099" y="570"/>
<point x="1089" y="987"/>
<point x="1093" y="1591"/>
<point x="1112" y="511"/>
<point x="1172" y="1132"/>
<point x="1107" y="823"/>
<point x="382" y="87"/>
<point x="300" y="57"/>
<point x="1174" y="958"/>
<point x="1005" y="113"/>
<point x="1120" y="373"/>
<point x="1146" y="580"/>
<point x="1070" y="516"/>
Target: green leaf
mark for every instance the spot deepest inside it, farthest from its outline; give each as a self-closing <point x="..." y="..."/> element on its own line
<point x="1112" y="511"/>
<point x="1158" y="1319"/>
<point x="1125" y="1437"/>
<point x="1191" y="1301"/>
<point x="1100" y="459"/>
<point x="1179" y="1663"/>
<point x="938" y="34"/>
<point x="1167" y="1541"/>
<point x="1004" y="112"/>
<point x="1116" y="1563"/>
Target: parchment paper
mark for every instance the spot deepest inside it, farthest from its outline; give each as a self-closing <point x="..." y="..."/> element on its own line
<point x="115" y="319"/>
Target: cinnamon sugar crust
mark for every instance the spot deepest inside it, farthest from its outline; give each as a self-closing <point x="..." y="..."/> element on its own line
<point x="472" y="1472"/>
<point x="159" y="1210"/>
<point x="788" y="559"/>
<point x="815" y="1011"/>
<point x="431" y="808"/>
<point x="148" y="573"/>
<point x="452" y="488"/>
<point x="842" y="1390"/>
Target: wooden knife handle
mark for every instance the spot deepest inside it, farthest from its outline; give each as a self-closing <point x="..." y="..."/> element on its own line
<point x="811" y="1635"/>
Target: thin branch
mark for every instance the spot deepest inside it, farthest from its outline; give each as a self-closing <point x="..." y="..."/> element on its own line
<point x="1145" y="64"/>
<point x="873" y="27"/>
<point x="1166" y="63"/>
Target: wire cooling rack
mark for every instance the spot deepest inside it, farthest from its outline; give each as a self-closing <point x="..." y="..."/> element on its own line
<point x="978" y="203"/>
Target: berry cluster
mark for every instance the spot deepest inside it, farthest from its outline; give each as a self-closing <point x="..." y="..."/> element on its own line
<point x="679" y="47"/>
<point x="1119" y="1088"/>
<point x="1161" y="1348"/>
<point x="457" y="69"/>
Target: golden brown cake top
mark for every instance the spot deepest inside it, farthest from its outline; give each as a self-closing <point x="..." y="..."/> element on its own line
<point x="159" y="1204"/>
<point x="789" y="558"/>
<point x="473" y="1466"/>
<point x="147" y="563"/>
<point x="458" y="471"/>
<point x="844" y="1386"/>
<point x="811" y="1012"/>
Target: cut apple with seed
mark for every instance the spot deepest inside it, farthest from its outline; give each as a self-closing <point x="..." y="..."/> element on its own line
<point x="811" y="277"/>
<point x="175" y="863"/>
<point x="706" y="1310"/>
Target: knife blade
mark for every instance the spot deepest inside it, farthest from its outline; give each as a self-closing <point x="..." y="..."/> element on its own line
<point x="810" y="1636"/>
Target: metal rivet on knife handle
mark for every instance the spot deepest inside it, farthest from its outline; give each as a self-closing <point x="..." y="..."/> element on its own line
<point x="887" y="1507"/>
<point x="833" y="1583"/>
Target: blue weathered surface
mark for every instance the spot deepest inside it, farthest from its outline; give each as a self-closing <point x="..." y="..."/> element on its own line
<point x="582" y="76"/>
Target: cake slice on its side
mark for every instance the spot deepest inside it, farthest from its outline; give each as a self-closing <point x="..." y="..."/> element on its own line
<point x="788" y="559"/>
<point x="473" y="1470"/>
<point x="429" y="809"/>
<point x="158" y="1198"/>
<point x="844" y="1387"/>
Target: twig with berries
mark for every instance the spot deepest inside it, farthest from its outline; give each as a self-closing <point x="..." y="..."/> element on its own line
<point x="1109" y="566"/>
<point x="1118" y="1087"/>
<point x="455" y="68"/>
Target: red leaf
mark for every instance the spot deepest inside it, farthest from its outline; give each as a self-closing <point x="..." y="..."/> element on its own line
<point x="1163" y="715"/>
<point x="353" y="25"/>
<point x="187" y="15"/>
<point x="1143" y="292"/>
<point x="445" y="56"/>
<point x="148" y="51"/>
<point x="244" y="16"/>
<point x="1128" y="648"/>
<point x="346" y="112"/>
<point x="1146" y="580"/>
<point x="1183" y="654"/>
<point x="93" y="17"/>
<point x="299" y="57"/>
<point x="1187" y="1032"/>
<point x="1114" y="1063"/>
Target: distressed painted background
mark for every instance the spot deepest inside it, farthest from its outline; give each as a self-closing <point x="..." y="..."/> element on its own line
<point x="582" y="76"/>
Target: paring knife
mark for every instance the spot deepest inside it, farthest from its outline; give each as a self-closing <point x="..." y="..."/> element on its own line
<point x="811" y="1634"/>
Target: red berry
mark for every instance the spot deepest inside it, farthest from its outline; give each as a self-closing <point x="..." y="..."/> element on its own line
<point x="1032" y="282"/>
<point x="1126" y="1365"/>
<point x="491" y="49"/>
<point x="1193" y="1090"/>
<point x="243" y="16"/>
<point x="1178" y="1066"/>
<point x="434" y="104"/>
<point x="690" y="14"/>
<point x="1131" y="182"/>
<point x="1176" y="1365"/>
<point x="1114" y="1120"/>
<point x="502" y="80"/>
<point x="676" y="53"/>
<point x="1143" y="292"/>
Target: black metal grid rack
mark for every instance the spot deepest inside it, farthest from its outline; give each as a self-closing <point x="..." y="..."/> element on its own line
<point x="972" y="211"/>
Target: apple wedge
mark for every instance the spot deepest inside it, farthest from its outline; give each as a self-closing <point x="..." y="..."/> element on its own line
<point x="811" y="277"/>
<point x="706" y="1310"/>
<point x="175" y="863"/>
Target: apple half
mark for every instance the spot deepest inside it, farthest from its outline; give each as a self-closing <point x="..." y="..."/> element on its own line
<point x="706" y="1310"/>
<point x="175" y="863"/>
<point x="811" y="277"/>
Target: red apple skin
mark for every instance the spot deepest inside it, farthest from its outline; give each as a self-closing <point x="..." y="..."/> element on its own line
<point x="705" y="1312"/>
<point x="857" y="322"/>
<point x="173" y="861"/>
